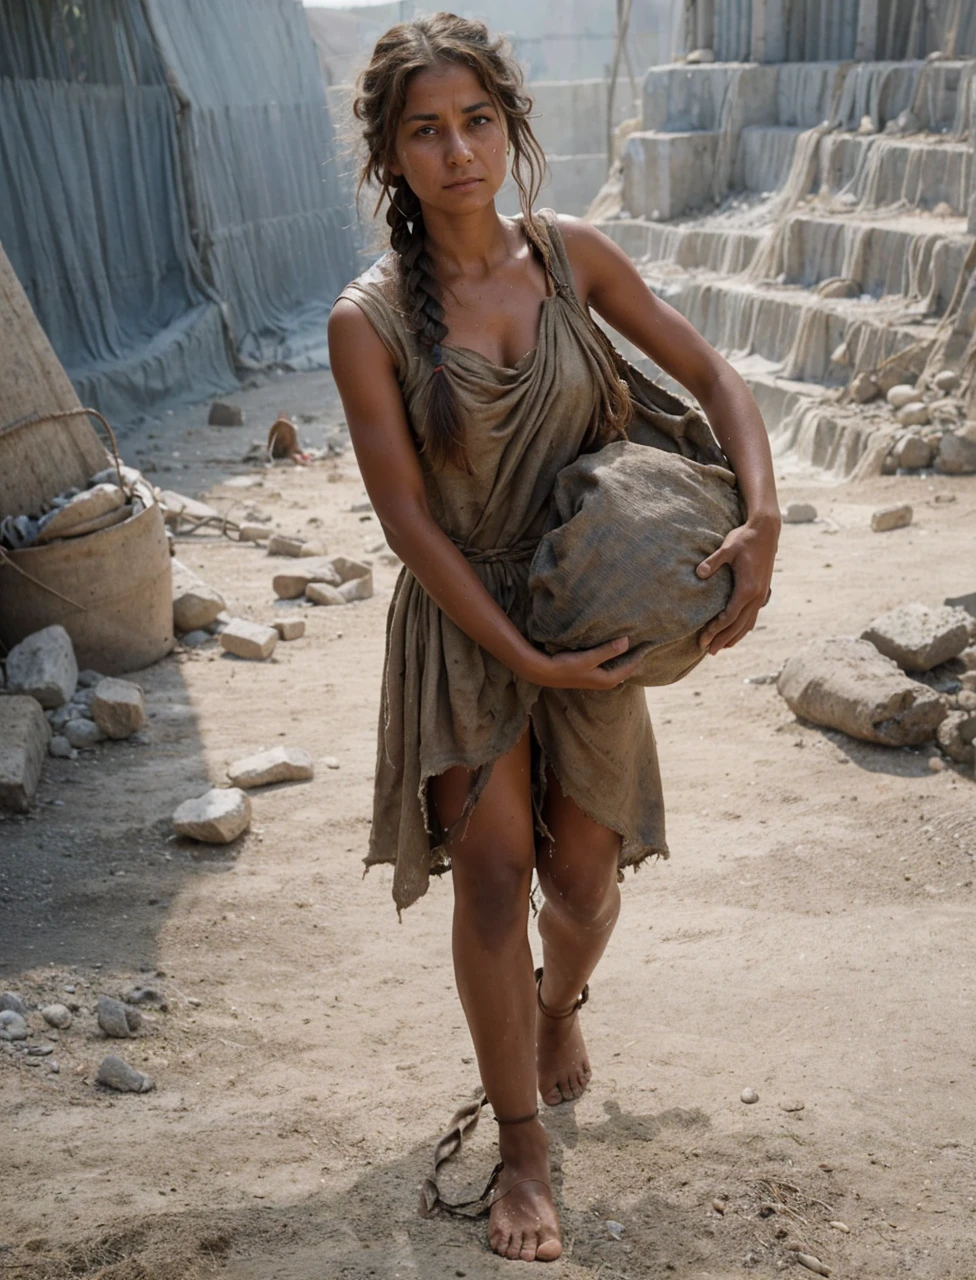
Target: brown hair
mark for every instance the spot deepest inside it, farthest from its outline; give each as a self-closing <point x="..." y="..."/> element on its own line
<point x="404" y="50"/>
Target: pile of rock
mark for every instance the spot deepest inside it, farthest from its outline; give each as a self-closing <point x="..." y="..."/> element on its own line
<point x="908" y="680"/>
<point x="31" y="1034"/>
<point x="111" y="496"/>
<point x="222" y="814"/>
<point x="52" y="708"/>
<point x="932" y="428"/>
<point x="337" y="581"/>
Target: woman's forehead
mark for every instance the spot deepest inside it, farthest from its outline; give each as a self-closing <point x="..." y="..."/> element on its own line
<point x="445" y="86"/>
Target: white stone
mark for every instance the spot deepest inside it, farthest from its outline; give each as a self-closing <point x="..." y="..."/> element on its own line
<point x="699" y="57"/>
<point x="357" y="589"/>
<point x="348" y="569"/>
<point x="195" y="603"/>
<point x="314" y="547"/>
<point x="290" y="628"/>
<point x="865" y="388"/>
<point x="88" y="678"/>
<point x="217" y="817"/>
<point x="323" y="593"/>
<point x="57" y="1015"/>
<point x="88" y="505"/>
<point x="254" y="532"/>
<point x="800" y="513"/>
<point x="83" y="733"/>
<point x="119" y="708"/>
<point x="841" y="355"/>
<point x="277" y="764"/>
<point x="280" y="545"/>
<point x="946" y="381"/>
<point x="61" y="748"/>
<point x="914" y="414"/>
<point x="901" y="395"/>
<point x="249" y="639"/>
<point x="43" y="666"/>
<point x="917" y="637"/>
<point x="24" y="738"/>
<point x="887" y="518"/>
<point x="292" y="584"/>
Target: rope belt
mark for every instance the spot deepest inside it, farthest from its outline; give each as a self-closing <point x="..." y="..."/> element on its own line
<point x="520" y="551"/>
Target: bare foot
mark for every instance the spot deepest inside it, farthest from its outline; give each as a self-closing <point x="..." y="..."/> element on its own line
<point x="523" y="1224"/>
<point x="561" y="1059"/>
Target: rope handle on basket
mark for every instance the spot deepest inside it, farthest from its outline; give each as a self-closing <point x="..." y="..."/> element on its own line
<point x="35" y="419"/>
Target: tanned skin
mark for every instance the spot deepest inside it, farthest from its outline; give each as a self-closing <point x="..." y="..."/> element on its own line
<point x="454" y="159"/>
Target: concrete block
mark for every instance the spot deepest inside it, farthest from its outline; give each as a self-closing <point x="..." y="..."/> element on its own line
<point x="24" y="736"/>
<point x="668" y="174"/>
<point x="248" y="639"/>
<point x="195" y="603"/>
<point x="119" y="708"/>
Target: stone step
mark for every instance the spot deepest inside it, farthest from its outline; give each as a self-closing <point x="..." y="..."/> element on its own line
<point x="791" y="328"/>
<point x="917" y="257"/>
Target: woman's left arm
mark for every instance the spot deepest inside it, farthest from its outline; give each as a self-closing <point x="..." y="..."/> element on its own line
<point x="607" y="280"/>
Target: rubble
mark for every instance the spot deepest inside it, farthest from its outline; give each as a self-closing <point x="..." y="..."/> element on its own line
<point x="277" y="764"/>
<point x="290" y="628"/>
<point x="83" y="733"/>
<point x="800" y="513"/>
<point x="24" y="738"/>
<point x="912" y="453"/>
<point x="195" y="604"/>
<point x="57" y="1015"/>
<point x="117" y="1019"/>
<point x="323" y="593"/>
<point x="252" y="640"/>
<point x="13" y="1003"/>
<point x="61" y="748"/>
<point x="291" y="585"/>
<point x="845" y="683"/>
<point x="956" y="736"/>
<point x="348" y="569"/>
<point x="224" y="414"/>
<point x="357" y="588"/>
<point x="254" y="532"/>
<point x="946" y="382"/>
<point x="901" y="395"/>
<point x="280" y="545"/>
<point x="864" y="388"/>
<point x="887" y="518"/>
<point x="957" y="452"/>
<point x="218" y="817"/>
<point x="13" y="1026"/>
<point x="119" y="708"/>
<point x="43" y="667"/>
<point x="914" y="414"/>
<point x="116" y="1074"/>
<point x="919" y="638"/>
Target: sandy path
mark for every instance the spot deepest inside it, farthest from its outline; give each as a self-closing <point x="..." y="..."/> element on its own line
<point x="813" y="937"/>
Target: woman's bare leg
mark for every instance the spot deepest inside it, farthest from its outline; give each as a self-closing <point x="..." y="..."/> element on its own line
<point x="492" y="859"/>
<point x="578" y="876"/>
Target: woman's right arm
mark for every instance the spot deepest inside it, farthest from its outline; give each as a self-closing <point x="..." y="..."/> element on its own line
<point x="366" y="378"/>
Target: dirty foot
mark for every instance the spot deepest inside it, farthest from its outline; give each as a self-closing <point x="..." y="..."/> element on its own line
<point x="523" y="1224"/>
<point x="561" y="1059"/>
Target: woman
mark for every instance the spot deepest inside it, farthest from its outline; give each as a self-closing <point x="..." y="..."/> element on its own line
<point x="470" y="375"/>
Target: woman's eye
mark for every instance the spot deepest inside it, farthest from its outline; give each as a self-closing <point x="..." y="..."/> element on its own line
<point x="481" y="119"/>
<point x="425" y="131"/>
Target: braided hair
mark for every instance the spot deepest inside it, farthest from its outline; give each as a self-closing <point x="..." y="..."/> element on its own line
<point x="405" y="49"/>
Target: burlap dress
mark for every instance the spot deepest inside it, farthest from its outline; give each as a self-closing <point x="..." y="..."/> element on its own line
<point x="445" y="700"/>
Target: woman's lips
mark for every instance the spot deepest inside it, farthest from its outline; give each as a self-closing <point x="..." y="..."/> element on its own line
<point x="464" y="185"/>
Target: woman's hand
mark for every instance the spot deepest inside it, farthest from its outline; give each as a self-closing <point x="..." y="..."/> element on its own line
<point x="750" y="551"/>
<point x="581" y="668"/>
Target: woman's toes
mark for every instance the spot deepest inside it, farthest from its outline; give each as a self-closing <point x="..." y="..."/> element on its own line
<point x="548" y="1250"/>
<point x="499" y="1241"/>
<point x="514" y="1249"/>
<point x="530" y="1247"/>
<point x="553" y="1097"/>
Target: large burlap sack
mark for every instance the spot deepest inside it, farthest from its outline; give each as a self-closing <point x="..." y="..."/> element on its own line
<point x="634" y="524"/>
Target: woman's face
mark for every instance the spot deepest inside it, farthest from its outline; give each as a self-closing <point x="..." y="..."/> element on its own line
<point x="451" y="143"/>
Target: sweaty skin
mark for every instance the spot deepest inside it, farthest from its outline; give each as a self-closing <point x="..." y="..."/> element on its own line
<point x="451" y="149"/>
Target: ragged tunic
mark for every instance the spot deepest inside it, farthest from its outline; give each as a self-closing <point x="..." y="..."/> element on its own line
<point x="445" y="700"/>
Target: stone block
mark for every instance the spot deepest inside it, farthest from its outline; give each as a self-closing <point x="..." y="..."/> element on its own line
<point x="887" y="518"/>
<point x="43" y="666"/>
<point x="667" y="174"/>
<point x="290" y="628"/>
<point x="277" y="764"/>
<point x="357" y="589"/>
<point x="955" y="736"/>
<point x="223" y="414"/>
<point x="847" y="684"/>
<point x="292" y="584"/>
<point x="24" y="738"/>
<point x="323" y="593"/>
<point x="800" y="513"/>
<point x="254" y="532"/>
<point x="195" y="604"/>
<point x="249" y="639"/>
<point x="348" y="569"/>
<point x="280" y="545"/>
<point x="119" y="708"/>
<point x="919" y="638"/>
<point x="218" y="817"/>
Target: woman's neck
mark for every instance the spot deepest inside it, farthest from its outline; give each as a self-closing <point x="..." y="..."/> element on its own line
<point x="471" y="246"/>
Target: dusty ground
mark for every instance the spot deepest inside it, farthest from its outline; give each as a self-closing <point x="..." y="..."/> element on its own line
<point x="814" y="937"/>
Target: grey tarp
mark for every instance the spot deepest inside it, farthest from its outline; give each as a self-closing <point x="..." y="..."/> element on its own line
<point x="167" y="196"/>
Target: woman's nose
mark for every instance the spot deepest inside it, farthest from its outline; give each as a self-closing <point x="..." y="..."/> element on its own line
<point x="458" y="150"/>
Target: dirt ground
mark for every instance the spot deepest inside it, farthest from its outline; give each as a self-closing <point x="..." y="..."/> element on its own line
<point x="813" y="937"/>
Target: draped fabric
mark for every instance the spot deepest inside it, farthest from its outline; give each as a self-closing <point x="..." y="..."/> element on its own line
<point x="447" y="702"/>
<point x="168" y="192"/>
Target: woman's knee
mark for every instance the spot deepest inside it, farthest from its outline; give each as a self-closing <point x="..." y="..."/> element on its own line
<point x="581" y="890"/>
<point x="491" y="890"/>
